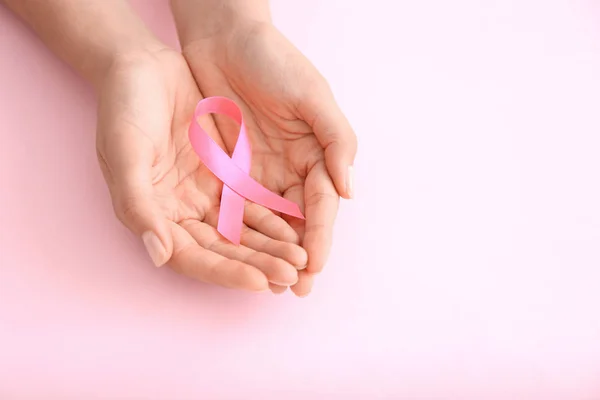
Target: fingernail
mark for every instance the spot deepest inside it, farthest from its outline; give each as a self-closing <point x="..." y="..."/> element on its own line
<point x="155" y="248"/>
<point x="350" y="181"/>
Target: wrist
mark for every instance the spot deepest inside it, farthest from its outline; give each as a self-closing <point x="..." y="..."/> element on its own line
<point x="212" y="23"/>
<point x="133" y="51"/>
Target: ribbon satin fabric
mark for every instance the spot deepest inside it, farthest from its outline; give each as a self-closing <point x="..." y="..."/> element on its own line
<point x="233" y="171"/>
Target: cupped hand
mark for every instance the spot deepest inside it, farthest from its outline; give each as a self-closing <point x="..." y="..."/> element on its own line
<point x="162" y="192"/>
<point x="303" y="146"/>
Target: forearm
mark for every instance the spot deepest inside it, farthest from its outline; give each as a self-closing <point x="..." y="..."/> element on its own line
<point x="205" y="19"/>
<point x="89" y="35"/>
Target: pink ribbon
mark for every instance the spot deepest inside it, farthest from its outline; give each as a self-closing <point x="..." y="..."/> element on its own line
<point x="234" y="171"/>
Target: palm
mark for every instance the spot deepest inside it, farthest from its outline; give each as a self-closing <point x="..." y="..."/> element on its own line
<point x="284" y="149"/>
<point x="157" y="101"/>
<point x="269" y="78"/>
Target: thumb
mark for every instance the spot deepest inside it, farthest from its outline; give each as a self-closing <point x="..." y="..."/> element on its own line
<point x="138" y="211"/>
<point x="334" y="133"/>
<point x="134" y="200"/>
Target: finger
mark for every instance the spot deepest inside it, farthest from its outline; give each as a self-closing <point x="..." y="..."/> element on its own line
<point x="288" y="251"/>
<point x="263" y="220"/>
<point x="277" y="289"/>
<point x="207" y="266"/>
<point x="321" y="203"/>
<point x="334" y="133"/>
<point x="305" y="281"/>
<point x="292" y="253"/>
<point x="296" y="195"/>
<point x="304" y="285"/>
<point x="275" y="269"/>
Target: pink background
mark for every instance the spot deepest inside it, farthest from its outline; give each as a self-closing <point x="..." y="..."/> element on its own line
<point x="467" y="268"/>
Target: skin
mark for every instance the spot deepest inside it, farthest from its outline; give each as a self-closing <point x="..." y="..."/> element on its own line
<point x="303" y="145"/>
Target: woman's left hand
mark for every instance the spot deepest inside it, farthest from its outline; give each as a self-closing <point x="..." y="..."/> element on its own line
<point x="303" y="146"/>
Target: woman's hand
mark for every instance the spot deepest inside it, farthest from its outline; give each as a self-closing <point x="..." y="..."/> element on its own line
<point x="162" y="192"/>
<point x="159" y="188"/>
<point x="303" y="146"/>
<point x="147" y="96"/>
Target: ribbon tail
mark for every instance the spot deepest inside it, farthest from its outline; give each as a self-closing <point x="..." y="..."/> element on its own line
<point x="231" y="214"/>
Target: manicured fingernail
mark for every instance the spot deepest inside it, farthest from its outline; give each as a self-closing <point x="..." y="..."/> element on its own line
<point x="350" y="181"/>
<point x="155" y="248"/>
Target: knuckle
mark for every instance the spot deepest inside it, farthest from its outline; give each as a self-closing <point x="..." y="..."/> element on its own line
<point x="209" y="272"/>
<point x="319" y="197"/>
<point x="180" y="251"/>
<point x="316" y="227"/>
<point x="127" y="209"/>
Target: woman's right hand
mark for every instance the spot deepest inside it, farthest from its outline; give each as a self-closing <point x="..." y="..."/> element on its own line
<point x="162" y="192"/>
